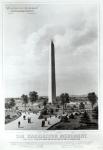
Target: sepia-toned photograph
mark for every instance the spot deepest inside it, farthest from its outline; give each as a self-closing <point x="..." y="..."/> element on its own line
<point x="51" y="60"/>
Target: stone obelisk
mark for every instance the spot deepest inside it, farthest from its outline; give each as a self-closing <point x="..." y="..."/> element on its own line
<point x="52" y="79"/>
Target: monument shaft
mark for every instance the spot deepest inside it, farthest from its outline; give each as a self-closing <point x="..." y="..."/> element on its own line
<point x="52" y="80"/>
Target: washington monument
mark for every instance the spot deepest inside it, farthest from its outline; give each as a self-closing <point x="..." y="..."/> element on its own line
<point x="52" y="80"/>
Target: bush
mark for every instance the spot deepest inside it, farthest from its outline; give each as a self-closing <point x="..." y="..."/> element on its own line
<point x="44" y="112"/>
<point x="8" y="117"/>
<point x="85" y="118"/>
<point x="71" y="116"/>
<point x="40" y="117"/>
<point x="64" y="119"/>
<point x="58" y="106"/>
<point x="51" y="111"/>
<point x="77" y="114"/>
<point x="14" y="116"/>
<point x="82" y="106"/>
<point x="29" y="109"/>
<point x="57" y="110"/>
<point x="95" y="113"/>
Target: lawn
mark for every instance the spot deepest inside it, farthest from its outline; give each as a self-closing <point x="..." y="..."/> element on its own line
<point x="75" y="124"/>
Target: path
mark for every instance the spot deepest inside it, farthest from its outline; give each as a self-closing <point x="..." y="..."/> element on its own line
<point x="34" y="125"/>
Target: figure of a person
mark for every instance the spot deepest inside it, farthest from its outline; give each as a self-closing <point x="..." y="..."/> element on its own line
<point x="24" y="117"/>
<point x="48" y="121"/>
<point x="28" y="120"/>
<point x="18" y="124"/>
<point x="43" y="123"/>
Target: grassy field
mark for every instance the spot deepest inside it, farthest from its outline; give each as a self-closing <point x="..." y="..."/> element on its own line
<point x="76" y="124"/>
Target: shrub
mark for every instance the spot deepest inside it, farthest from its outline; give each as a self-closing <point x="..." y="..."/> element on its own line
<point x="29" y="109"/>
<point x="51" y="111"/>
<point x="82" y="106"/>
<point x="85" y="118"/>
<point x="44" y="112"/>
<point x="40" y="117"/>
<point x="71" y="116"/>
<point x="95" y="112"/>
<point x="8" y="117"/>
<point x="14" y="116"/>
<point x="57" y="110"/>
<point x="77" y="114"/>
<point x="58" y="106"/>
<point x="64" y="119"/>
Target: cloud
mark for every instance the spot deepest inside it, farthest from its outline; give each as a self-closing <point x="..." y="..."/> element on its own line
<point x="75" y="37"/>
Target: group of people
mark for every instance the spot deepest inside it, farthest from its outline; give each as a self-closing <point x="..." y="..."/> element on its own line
<point x="45" y="122"/>
<point x="24" y="117"/>
<point x="29" y="119"/>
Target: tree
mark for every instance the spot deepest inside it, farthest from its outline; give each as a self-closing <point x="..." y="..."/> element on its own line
<point x="82" y="106"/>
<point x="95" y="112"/>
<point x="25" y="100"/>
<point x="33" y="96"/>
<point x="67" y="97"/>
<point x="64" y="99"/>
<point x="12" y="102"/>
<point x="92" y="98"/>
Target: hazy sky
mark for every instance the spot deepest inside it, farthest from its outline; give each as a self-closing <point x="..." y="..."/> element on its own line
<point x="27" y="42"/>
